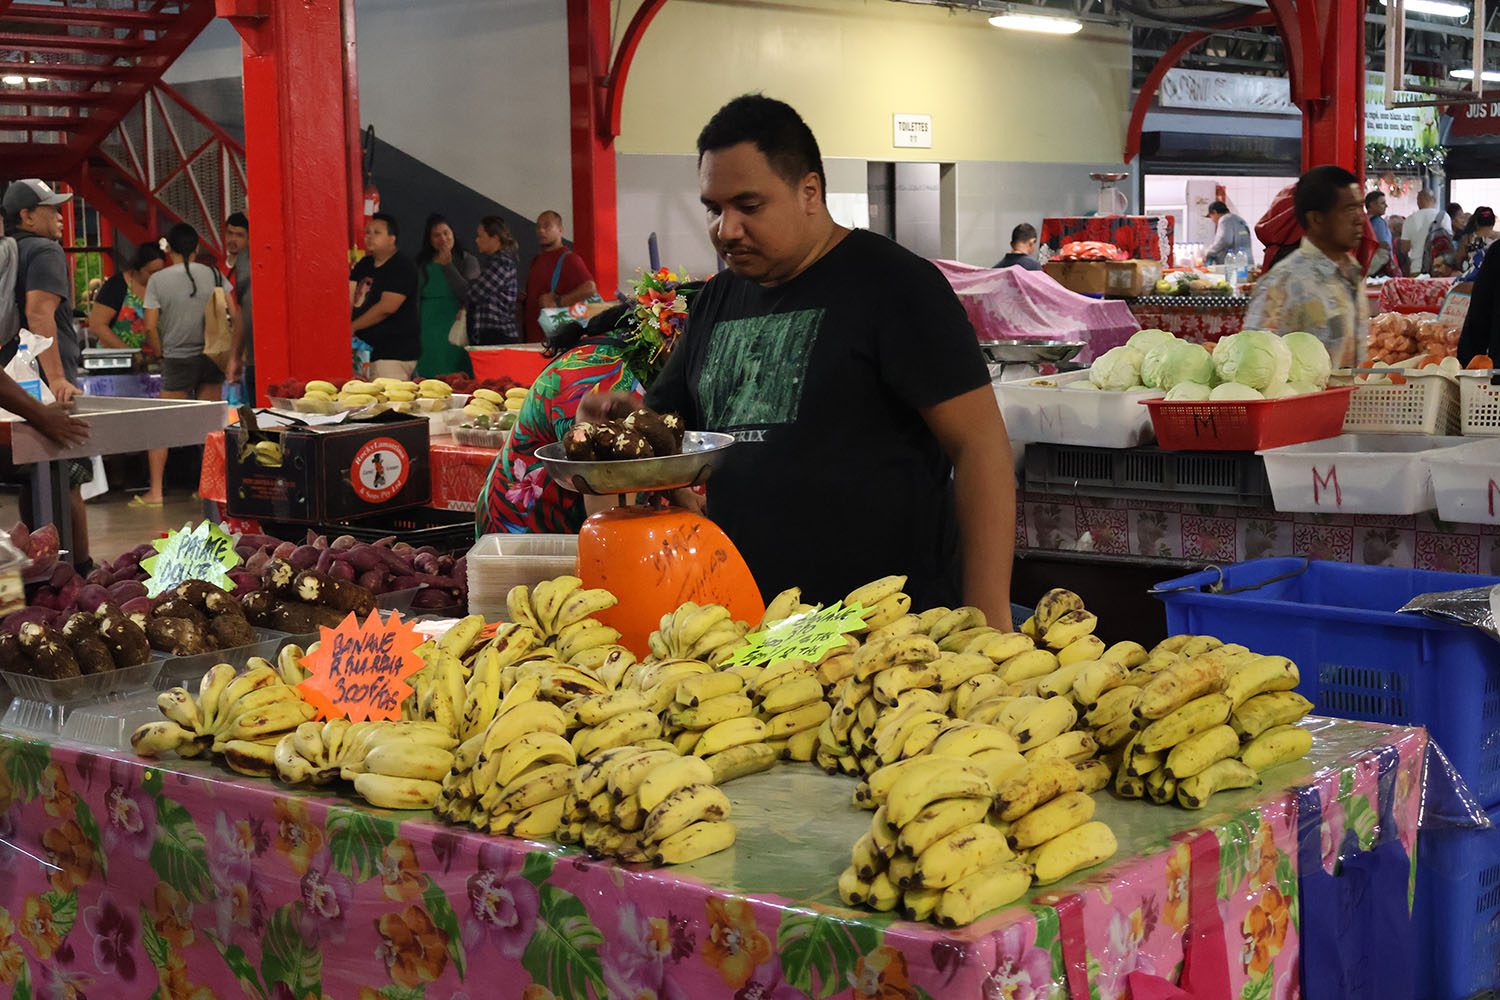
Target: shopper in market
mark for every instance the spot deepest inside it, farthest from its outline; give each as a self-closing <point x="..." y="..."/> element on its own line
<point x="118" y="316"/>
<point x="1481" y="331"/>
<point x="493" y="295"/>
<point x="444" y="271"/>
<point x="1319" y="287"/>
<point x="383" y="301"/>
<point x="1231" y="235"/>
<point x="1414" y="231"/>
<point x="177" y="299"/>
<point x="237" y="274"/>
<point x="1022" y="249"/>
<point x="1384" y="263"/>
<point x="868" y="438"/>
<point x="1481" y="233"/>
<point x="558" y="278"/>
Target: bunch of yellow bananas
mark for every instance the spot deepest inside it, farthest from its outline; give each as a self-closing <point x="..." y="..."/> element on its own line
<point x="560" y="612"/>
<point x="392" y="765"/>
<point x="647" y="804"/>
<point x="704" y="632"/>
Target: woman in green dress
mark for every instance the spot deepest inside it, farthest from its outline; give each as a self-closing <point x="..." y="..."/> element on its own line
<point x="444" y="271"/>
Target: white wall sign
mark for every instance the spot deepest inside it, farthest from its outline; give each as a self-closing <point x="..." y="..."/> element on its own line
<point x="912" y="132"/>
<point x="1209" y="91"/>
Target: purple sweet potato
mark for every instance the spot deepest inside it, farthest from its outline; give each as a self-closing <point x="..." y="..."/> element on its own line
<point x="101" y="576"/>
<point x="244" y="581"/>
<point x="431" y="598"/>
<point x="319" y="542"/>
<point x="365" y="558"/>
<point x="404" y="548"/>
<point x="343" y="543"/>
<point x="372" y="580"/>
<point x="428" y="564"/>
<point x="325" y="560"/>
<point x="304" y="557"/>
<point x="126" y="590"/>
<point x="34" y="613"/>
<point x="245" y="551"/>
<point x="342" y="570"/>
<point x="260" y="541"/>
<point x="460" y="570"/>
<point x="137" y="606"/>
<point x="61" y="574"/>
<point x="67" y="597"/>
<point x="403" y="582"/>
<point x="143" y="550"/>
<point x="257" y="563"/>
<point x="284" y="550"/>
<point x="90" y="596"/>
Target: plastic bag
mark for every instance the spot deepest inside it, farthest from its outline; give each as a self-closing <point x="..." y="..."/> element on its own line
<point x="1473" y="606"/>
<point x="25" y="368"/>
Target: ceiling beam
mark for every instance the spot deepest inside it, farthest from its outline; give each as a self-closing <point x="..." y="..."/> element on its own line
<point x="70" y="44"/>
<point x="104" y="18"/>
<point x="40" y="123"/>
<point x="55" y="98"/>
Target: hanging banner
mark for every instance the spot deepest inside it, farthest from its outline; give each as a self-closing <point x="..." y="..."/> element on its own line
<point x="1414" y="128"/>
<point x="1202" y="90"/>
<point x="1475" y="119"/>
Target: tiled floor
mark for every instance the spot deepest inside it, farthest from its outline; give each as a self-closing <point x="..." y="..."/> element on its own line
<point x="115" y="527"/>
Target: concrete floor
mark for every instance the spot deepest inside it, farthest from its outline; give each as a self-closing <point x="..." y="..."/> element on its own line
<point x="115" y="527"/>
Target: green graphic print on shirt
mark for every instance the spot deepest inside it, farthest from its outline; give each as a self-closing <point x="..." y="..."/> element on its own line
<point x="756" y="369"/>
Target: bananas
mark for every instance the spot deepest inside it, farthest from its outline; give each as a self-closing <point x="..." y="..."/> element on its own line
<point x="560" y="613"/>
<point x="697" y="632"/>
<point x="1078" y="848"/>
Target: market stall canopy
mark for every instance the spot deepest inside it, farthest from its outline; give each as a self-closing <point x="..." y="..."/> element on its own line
<point x="1016" y="304"/>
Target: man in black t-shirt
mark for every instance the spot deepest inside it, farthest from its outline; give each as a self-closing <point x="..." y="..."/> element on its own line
<point x="868" y="439"/>
<point x="383" y="302"/>
<point x="1022" y="249"/>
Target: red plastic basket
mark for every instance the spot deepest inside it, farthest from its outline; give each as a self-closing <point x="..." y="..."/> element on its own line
<point x="1251" y="424"/>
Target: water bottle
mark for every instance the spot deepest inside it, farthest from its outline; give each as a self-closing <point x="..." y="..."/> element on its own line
<point x="31" y="380"/>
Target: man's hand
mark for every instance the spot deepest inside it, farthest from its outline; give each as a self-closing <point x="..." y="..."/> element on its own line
<point x="61" y="427"/>
<point x="63" y="390"/>
<point x="236" y="369"/>
<point x="598" y="407"/>
<point x="689" y="500"/>
<point x="548" y="301"/>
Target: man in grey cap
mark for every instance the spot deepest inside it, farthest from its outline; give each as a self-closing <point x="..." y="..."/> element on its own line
<point x="44" y="289"/>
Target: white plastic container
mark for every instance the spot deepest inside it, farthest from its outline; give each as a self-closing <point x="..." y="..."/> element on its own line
<point x="1479" y="403"/>
<point x="1426" y="404"/>
<point x="1046" y="411"/>
<point x="498" y="562"/>
<point x="1466" y="483"/>
<point x="1355" y="474"/>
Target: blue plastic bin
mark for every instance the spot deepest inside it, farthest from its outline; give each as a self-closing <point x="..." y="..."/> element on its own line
<point x="1457" y="911"/>
<point x="1359" y="659"/>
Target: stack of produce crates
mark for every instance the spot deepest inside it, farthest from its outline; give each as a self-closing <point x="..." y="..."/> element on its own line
<point x="1362" y="660"/>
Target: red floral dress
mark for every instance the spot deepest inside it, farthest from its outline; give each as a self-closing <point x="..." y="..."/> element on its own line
<point x="519" y="497"/>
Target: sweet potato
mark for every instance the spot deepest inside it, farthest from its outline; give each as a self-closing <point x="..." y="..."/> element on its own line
<point x="101" y="576"/>
<point x="343" y="543"/>
<point x="61" y="574"/>
<point x="12" y="657"/>
<point x="365" y="558"/>
<point x="305" y="557"/>
<point x="231" y="631"/>
<point x="126" y="590"/>
<point x="259" y="541"/>
<point x="430" y="598"/>
<point x="67" y="597"/>
<point x="260" y="607"/>
<point x="48" y="652"/>
<point x="178" y="636"/>
<point x="90" y="596"/>
<point x="284" y="550"/>
<point x="372" y="580"/>
<point x="342" y="570"/>
<point x="126" y="640"/>
<point x="325" y="560"/>
<point x="425" y="562"/>
<point x="341" y="595"/>
<point x="244" y="582"/>
<point x="137" y="606"/>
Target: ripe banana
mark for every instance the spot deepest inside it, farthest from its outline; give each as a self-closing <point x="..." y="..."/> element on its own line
<point x="1041" y="782"/>
<point x="1095" y="775"/>
<point x="1068" y="628"/>
<point x="1051" y="820"/>
<point x="1260" y="675"/>
<point x="1081" y="847"/>
<point x="1005" y="646"/>
<point x="1113" y="706"/>
<point x="694" y="691"/>
<point x="1277" y="745"/>
<point x="933" y="823"/>
<point x="1264" y="711"/>
<point x="1099" y="677"/>
<point x="872" y="593"/>
<point x="1194" y="754"/>
<point x="919" y="904"/>
<point x="953" y="669"/>
<point x="729" y="734"/>
<point x="1044" y="722"/>
<point x="1128" y="786"/>
<point x="1054" y="604"/>
<point x="387" y="792"/>
<point x="623" y="777"/>
<point x="966" y="900"/>
<point x="536" y="823"/>
<point x="538" y="785"/>
<point x="1127" y="654"/>
<point x="887" y="611"/>
<point x="1194" y="792"/>
<point x="999" y="765"/>
<point x="1075" y="747"/>
<point x="737" y="762"/>
<point x="794" y="693"/>
<point x="696" y="841"/>
<point x="402" y="759"/>
<point x="914" y="792"/>
<point x="533" y="748"/>
<point x="683" y="807"/>
<point x="853" y="889"/>
<point x="1177" y="685"/>
<point x="1033" y="664"/>
<point x="961" y="854"/>
<point x="791" y="723"/>
<point x="1090" y="647"/>
<point x="155" y="738"/>
<point x="1161" y="788"/>
<point x="1198" y="715"/>
<point x="890" y="684"/>
<point x="670" y="775"/>
<point x="631" y="727"/>
<point x="966" y="741"/>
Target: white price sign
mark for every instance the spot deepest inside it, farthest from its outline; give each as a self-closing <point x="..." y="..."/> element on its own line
<point x="912" y="132"/>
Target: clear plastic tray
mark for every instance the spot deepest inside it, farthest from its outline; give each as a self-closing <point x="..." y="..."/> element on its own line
<point x="181" y="671"/>
<point x="109" y="723"/>
<point x="397" y="600"/>
<point x="89" y="687"/>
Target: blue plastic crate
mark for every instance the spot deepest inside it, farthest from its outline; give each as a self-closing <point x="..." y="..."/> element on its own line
<point x="1359" y="659"/>
<point x="1457" y="911"/>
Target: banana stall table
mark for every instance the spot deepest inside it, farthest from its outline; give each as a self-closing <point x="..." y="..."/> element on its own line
<point x="1203" y="319"/>
<point x="134" y="879"/>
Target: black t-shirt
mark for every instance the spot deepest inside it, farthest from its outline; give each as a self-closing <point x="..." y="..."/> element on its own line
<point x="111" y="294"/>
<point x="835" y="479"/>
<point x="398" y="337"/>
<point x="1023" y="260"/>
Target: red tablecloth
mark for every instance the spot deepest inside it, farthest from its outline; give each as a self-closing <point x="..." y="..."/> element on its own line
<point x="522" y="363"/>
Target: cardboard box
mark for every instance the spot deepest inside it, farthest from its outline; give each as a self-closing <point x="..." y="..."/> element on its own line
<point x="328" y="473"/>
<point x="1130" y="278"/>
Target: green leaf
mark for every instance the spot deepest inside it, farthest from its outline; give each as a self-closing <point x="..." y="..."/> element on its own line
<point x="446" y="921"/>
<point x="1286" y="881"/>
<point x="824" y="944"/>
<point x="1362" y="819"/>
<point x="239" y="963"/>
<point x="922" y="994"/>
<point x="178" y="854"/>
<point x="157" y="947"/>
<point x="356" y="839"/>
<point x="153" y="784"/>
<point x="1258" y="989"/>
<point x="395" y="991"/>
<point x="286" y="958"/>
<point x="1049" y="938"/>
<point x="563" y="954"/>
<point x="24" y="763"/>
<point x="537" y="868"/>
<point x="90" y="828"/>
<point x="64" y="910"/>
<point x="23" y="984"/>
<point x="1346" y="782"/>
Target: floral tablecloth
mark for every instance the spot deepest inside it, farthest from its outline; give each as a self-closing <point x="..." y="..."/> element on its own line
<point x="1165" y="530"/>
<point x="183" y="882"/>
<point x="1200" y="319"/>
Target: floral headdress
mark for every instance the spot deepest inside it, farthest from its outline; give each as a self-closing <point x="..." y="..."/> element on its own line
<point x="658" y="317"/>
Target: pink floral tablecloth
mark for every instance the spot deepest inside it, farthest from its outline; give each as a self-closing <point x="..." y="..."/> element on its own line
<point x="182" y="882"/>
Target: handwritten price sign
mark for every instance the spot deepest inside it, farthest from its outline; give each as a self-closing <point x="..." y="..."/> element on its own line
<point x="205" y="552"/>
<point x="359" y="671"/>
<point x="807" y="637"/>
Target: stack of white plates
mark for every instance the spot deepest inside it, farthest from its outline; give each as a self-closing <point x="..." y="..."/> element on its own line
<point x="497" y="563"/>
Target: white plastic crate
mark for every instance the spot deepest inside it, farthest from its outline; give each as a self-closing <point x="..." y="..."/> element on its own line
<point x="1479" y="403"/>
<point x="1466" y="483"/>
<point x="1054" y="414"/>
<point x="1355" y="474"/>
<point x="1426" y="404"/>
<point x="498" y="562"/>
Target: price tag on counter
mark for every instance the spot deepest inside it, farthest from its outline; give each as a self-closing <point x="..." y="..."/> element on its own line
<point x="809" y="636"/>
<point x="359" y="670"/>
<point x="205" y="552"/>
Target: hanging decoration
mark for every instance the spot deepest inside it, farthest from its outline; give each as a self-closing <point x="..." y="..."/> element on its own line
<point x="1387" y="158"/>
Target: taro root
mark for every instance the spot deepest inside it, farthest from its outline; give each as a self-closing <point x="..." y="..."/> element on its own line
<point x="231" y="631"/>
<point x="127" y="641"/>
<point x="178" y="636"/>
<point x="650" y="425"/>
<point x="48" y="652"/>
<point x="578" y="443"/>
<point x="631" y="444"/>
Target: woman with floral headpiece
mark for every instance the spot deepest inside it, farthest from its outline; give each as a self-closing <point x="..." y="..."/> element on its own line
<point x="621" y="350"/>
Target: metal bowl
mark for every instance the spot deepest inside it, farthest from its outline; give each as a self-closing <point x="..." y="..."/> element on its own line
<point x="1030" y="351"/>
<point x="701" y="453"/>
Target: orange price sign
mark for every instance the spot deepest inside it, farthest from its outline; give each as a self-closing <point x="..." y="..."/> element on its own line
<point x="359" y="670"/>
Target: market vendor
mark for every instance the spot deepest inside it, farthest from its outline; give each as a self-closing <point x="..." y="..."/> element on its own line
<point x="868" y="438"/>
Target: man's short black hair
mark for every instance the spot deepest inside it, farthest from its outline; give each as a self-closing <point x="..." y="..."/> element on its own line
<point x="775" y="128"/>
<point x="1372" y="198"/>
<point x="390" y="223"/>
<point x="239" y="220"/>
<point x="1024" y="233"/>
<point x="1318" y="190"/>
<point x="1219" y="207"/>
<point x="1454" y="208"/>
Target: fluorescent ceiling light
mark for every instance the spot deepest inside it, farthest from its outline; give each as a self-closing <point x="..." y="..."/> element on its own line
<point x="12" y="81"/>
<point x="36" y="79"/>
<point x="1434" y="8"/>
<point x="1490" y="76"/>
<point x="1043" y="23"/>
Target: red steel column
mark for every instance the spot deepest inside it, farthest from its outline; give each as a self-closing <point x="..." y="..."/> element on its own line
<point x="595" y="227"/>
<point x="1324" y="42"/>
<point x="299" y="184"/>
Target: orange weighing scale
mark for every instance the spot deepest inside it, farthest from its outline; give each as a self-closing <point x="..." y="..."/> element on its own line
<point x="653" y="557"/>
